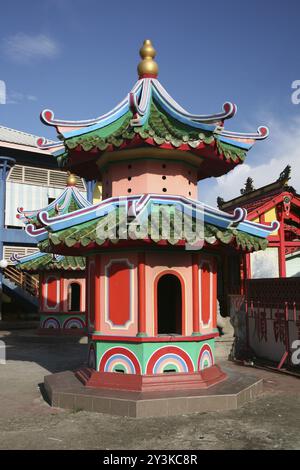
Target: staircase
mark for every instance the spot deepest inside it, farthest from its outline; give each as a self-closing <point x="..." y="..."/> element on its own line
<point x="22" y="286"/>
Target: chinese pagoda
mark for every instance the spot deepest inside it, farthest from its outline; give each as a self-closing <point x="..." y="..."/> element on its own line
<point x="62" y="298"/>
<point x="152" y="293"/>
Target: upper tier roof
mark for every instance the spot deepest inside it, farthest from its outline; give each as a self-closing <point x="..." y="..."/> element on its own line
<point x="150" y="116"/>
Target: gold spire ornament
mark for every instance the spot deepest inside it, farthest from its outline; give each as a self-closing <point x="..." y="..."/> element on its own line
<point x="71" y="180"/>
<point x="147" y="66"/>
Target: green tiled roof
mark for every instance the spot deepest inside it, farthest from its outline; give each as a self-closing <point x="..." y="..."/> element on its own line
<point x="69" y="201"/>
<point x="94" y="232"/>
<point x="48" y="262"/>
<point x="160" y="127"/>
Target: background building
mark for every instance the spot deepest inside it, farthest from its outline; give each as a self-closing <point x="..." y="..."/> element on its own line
<point x="275" y="201"/>
<point x="29" y="178"/>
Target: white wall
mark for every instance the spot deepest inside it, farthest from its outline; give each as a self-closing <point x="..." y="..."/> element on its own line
<point x="264" y="263"/>
<point x="293" y="266"/>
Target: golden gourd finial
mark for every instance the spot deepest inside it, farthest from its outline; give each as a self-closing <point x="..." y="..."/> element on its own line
<point x="147" y="67"/>
<point x="71" y="180"/>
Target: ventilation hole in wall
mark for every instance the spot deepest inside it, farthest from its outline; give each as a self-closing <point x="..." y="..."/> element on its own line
<point x="164" y="177"/>
<point x="129" y="178"/>
<point x="190" y="193"/>
<point x="189" y="182"/>
<point x="119" y="371"/>
<point x="129" y="190"/>
<point x="170" y="371"/>
<point x="164" y="190"/>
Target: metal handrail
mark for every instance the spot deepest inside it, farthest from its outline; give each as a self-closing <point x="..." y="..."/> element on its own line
<point x="28" y="282"/>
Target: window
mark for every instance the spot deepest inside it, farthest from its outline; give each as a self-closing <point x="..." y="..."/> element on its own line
<point x="74" y="297"/>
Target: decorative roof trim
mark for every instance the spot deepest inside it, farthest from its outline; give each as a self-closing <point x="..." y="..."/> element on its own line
<point x="46" y="144"/>
<point x="39" y="234"/>
<point x="60" y="204"/>
<point x="15" y="258"/>
<point x="262" y="133"/>
<point x="139" y="101"/>
<point x="41" y="261"/>
<point x="229" y="109"/>
<point x="135" y="205"/>
<point x="48" y="117"/>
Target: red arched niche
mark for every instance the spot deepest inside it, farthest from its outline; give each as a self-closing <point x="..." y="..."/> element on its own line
<point x="182" y="285"/>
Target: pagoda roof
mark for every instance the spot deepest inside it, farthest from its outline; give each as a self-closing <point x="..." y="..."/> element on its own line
<point x="259" y="199"/>
<point x="38" y="262"/>
<point x="68" y="201"/>
<point x="149" y="116"/>
<point x="82" y="230"/>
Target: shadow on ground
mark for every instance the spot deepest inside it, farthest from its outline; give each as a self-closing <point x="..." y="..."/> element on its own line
<point x="55" y="354"/>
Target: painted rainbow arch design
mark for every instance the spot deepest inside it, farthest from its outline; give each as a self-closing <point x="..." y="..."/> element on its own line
<point x="206" y="357"/>
<point x="51" y="322"/>
<point x="169" y="359"/>
<point x="92" y="357"/>
<point x="119" y="359"/>
<point x="73" y="323"/>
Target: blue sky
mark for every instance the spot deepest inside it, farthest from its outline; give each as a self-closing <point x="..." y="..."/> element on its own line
<point x="79" y="59"/>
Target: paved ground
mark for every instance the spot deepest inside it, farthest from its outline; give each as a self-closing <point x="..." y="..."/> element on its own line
<point x="28" y="422"/>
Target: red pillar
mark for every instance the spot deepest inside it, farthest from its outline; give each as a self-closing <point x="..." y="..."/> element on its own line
<point x="141" y="295"/>
<point x="41" y="292"/>
<point x="97" y="293"/>
<point x="195" y="286"/>
<point x="282" y="266"/>
<point x="63" y="303"/>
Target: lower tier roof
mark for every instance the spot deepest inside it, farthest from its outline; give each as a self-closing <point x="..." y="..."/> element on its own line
<point x="38" y="262"/>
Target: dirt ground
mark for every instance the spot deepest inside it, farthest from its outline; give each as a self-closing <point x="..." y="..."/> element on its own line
<point x="28" y="422"/>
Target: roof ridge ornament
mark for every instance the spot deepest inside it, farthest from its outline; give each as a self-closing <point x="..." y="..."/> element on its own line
<point x="249" y="187"/>
<point x="71" y="179"/>
<point x="147" y="68"/>
<point x="285" y="175"/>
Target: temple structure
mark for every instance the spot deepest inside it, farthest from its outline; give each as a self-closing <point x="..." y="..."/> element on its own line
<point x="153" y="250"/>
<point x="62" y="304"/>
<point x="62" y="283"/>
<point x="275" y="201"/>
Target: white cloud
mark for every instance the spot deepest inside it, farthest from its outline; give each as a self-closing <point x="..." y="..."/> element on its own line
<point x="271" y="158"/>
<point x="2" y="92"/>
<point x="24" y="48"/>
<point x="31" y="97"/>
<point x="15" y="97"/>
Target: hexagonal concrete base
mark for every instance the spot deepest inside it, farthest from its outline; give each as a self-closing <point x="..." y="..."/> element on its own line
<point x="64" y="390"/>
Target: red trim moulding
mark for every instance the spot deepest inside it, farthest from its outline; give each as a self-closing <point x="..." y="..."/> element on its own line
<point x="153" y="382"/>
<point x="195" y="286"/>
<point x="62" y="312"/>
<point x="96" y="281"/>
<point x="154" y="339"/>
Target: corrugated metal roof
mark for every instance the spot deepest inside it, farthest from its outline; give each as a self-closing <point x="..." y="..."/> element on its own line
<point x="17" y="137"/>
